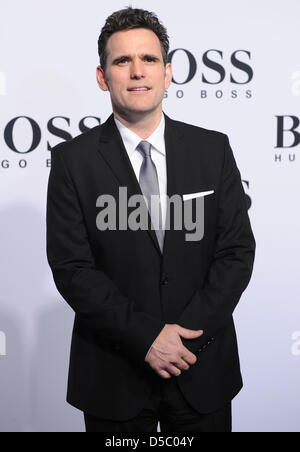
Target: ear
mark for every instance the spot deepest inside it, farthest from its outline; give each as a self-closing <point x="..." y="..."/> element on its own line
<point x="101" y="79"/>
<point x="168" y="75"/>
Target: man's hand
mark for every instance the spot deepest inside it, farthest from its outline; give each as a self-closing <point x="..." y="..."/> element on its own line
<point x="168" y="355"/>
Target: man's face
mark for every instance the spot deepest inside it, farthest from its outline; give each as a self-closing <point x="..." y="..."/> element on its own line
<point x="135" y="74"/>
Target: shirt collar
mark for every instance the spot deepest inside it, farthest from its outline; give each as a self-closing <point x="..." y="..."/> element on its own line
<point x="131" y="140"/>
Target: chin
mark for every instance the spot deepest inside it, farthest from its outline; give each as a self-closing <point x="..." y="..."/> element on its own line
<point x="136" y="109"/>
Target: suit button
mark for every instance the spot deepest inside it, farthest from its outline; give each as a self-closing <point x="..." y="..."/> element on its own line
<point x="164" y="280"/>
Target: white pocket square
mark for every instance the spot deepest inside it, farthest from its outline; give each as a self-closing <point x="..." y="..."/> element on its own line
<point x="197" y="195"/>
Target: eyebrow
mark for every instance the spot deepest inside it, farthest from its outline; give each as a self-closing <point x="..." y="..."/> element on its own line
<point x="143" y="55"/>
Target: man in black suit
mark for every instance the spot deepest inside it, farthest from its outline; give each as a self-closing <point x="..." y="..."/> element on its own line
<point x="154" y="338"/>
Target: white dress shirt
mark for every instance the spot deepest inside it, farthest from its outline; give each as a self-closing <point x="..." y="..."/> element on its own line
<point x="158" y="154"/>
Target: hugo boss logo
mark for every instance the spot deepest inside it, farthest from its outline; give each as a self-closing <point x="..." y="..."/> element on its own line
<point x="212" y="69"/>
<point x="23" y="135"/>
<point x="287" y="138"/>
<point x="32" y="128"/>
<point x="214" y="60"/>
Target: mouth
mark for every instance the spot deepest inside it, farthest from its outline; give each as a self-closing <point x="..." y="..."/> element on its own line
<point x="139" y="89"/>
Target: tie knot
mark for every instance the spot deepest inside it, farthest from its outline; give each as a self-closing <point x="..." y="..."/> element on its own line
<point x="145" y="148"/>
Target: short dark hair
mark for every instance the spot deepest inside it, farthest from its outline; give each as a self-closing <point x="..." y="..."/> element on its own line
<point x="129" y="18"/>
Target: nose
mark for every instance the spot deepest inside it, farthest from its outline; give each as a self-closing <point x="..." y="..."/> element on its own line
<point x="137" y="71"/>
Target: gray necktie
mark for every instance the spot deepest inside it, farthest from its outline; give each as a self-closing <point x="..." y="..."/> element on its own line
<point x="149" y="185"/>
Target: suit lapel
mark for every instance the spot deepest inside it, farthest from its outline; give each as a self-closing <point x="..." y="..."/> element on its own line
<point x="178" y="171"/>
<point x="113" y="151"/>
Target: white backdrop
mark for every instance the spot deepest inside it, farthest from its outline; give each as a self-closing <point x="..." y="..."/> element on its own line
<point x="48" y="56"/>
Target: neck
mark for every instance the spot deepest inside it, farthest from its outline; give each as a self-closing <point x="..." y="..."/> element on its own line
<point x="142" y="126"/>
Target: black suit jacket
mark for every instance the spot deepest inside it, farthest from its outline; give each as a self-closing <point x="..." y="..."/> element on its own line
<point x="124" y="290"/>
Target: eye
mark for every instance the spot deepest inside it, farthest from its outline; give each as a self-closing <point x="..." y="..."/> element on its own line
<point x="149" y="59"/>
<point x="122" y="60"/>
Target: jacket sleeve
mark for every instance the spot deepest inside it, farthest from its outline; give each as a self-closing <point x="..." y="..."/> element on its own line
<point x="91" y="294"/>
<point x="211" y="308"/>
